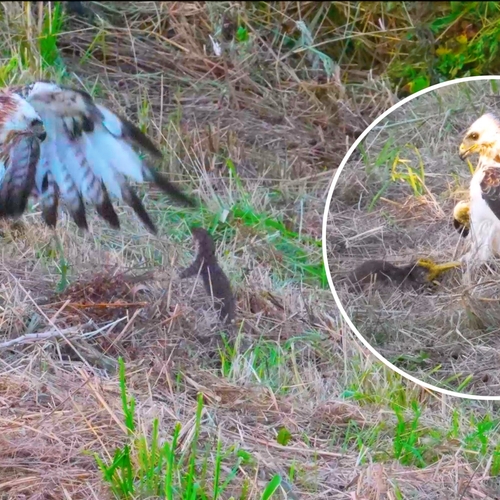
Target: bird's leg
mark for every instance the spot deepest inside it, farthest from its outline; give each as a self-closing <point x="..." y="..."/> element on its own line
<point x="435" y="270"/>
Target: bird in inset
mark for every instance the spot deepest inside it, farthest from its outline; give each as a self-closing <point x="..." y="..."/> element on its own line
<point x="483" y="138"/>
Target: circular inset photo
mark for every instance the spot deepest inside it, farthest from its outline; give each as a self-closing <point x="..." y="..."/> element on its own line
<point x="412" y="237"/>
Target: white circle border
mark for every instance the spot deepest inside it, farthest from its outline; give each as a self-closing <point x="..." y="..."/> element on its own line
<point x="323" y="238"/>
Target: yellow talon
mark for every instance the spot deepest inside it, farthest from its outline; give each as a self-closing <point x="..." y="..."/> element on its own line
<point x="436" y="270"/>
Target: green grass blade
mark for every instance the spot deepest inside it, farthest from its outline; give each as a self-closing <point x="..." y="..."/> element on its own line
<point x="271" y="487"/>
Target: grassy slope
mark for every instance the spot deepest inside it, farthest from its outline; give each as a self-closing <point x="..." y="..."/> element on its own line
<point x="350" y="427"/>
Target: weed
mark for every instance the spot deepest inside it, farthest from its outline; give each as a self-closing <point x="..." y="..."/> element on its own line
<point x="413" y="176"/>
<point x="51" y="28"/>
<point x="144" y="467"/>
<point x="406" y="439"/>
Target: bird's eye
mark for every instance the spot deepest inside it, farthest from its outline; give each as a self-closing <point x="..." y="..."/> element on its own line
<point x="474" y="136"/>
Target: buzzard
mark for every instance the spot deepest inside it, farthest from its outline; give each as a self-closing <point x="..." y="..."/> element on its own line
<point x="59" y="146"/>
<point x="483" y="138"/>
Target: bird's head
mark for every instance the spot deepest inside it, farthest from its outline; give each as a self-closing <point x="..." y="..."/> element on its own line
<point x="482" y="137"/>
<point x="19" y="117"/>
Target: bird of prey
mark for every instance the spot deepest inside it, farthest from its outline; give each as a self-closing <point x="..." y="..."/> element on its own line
<point x="483" y="138"/>
<point x="59" y="146"/>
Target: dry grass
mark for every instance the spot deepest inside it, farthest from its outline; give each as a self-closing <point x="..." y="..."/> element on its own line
<point x="292" y="363"/>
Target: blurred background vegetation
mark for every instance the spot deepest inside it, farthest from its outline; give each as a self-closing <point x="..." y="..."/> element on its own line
<point x="411" y="44"/>
<point x="414" y="44"/>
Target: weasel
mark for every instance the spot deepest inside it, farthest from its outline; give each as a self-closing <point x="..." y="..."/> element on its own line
<point x="215" y="281"/>
<point x="413" y="276"/>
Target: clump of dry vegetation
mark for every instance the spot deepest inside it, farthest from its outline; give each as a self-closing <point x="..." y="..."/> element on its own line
<point x="117" y="379"/>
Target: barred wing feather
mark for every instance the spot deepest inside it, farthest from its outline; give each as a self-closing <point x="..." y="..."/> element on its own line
<point x="88" y="156"/>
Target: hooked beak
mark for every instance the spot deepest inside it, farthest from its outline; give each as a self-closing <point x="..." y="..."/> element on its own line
<point x="464" y="152"/>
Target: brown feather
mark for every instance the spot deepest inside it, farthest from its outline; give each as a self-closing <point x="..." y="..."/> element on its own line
<point x="490" y="186"/>
<point x="131" y="198"/>
<point x="106" y="210"/>
<point x="134" y="134"/>
<point x="8" y="106"/>
<point x="79" y="215"/>
<point x="22" y="155"/>
<point x="49" y="211"/>
<point x="167" y="187"/>
<point x="50" y="200"/>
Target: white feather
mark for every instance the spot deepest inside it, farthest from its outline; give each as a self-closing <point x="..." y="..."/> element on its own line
<point x="118" y="155"/>
<point x="98" y="162"/>
<point x="2" y="171"/>
<point x="111" y="121"/>
<point x="484" y="226"/>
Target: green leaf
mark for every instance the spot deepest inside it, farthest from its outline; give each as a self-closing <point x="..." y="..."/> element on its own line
<point x="246" y="458"/>
<point x="348" y="394"/>
<point x="419" y="83"/>
<point x="284" y="436"/>
<point x="242" y="34"/>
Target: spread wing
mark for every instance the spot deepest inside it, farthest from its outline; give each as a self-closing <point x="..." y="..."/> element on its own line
<point x="88" y="156"/>
<point x="490" y="189"/>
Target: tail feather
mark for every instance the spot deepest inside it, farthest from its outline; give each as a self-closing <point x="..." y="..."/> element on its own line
<point x="79" y="215"/>
<point x="50" y="201"/>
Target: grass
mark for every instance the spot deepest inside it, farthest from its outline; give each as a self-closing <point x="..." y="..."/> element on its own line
<point x="116" y="378"/>
<point x="146" y="467"/>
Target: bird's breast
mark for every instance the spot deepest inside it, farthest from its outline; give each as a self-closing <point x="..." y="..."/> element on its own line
<point x="475" y="187"/>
